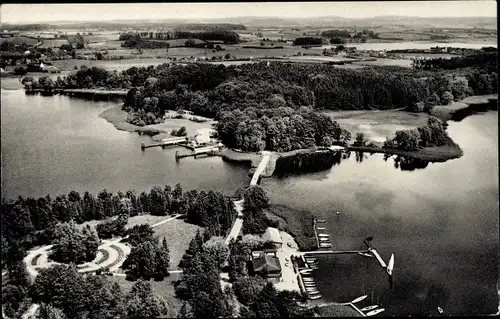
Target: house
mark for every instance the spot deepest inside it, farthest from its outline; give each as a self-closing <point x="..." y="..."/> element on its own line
<point x="266" y="265"/>
<point x="273" y="235"/>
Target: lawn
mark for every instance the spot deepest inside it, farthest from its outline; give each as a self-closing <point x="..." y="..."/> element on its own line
<point x="19" y="40"/>
<point x="164" y="288"/>
<point x="178" y="234"/>
<point x="376" y="125"/>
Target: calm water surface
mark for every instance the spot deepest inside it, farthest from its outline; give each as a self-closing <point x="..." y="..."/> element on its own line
<point x="441" y="222"/>
<point x="51" y="145"/>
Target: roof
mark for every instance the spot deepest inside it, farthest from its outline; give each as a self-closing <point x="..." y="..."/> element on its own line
<point x="266" y="263"/>
<point x="273" y="235"/>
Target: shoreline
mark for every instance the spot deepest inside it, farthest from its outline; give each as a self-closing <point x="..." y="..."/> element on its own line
<point x="437" y="154"/>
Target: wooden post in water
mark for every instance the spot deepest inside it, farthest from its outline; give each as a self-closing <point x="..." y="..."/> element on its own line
<point x="143" y="146"/>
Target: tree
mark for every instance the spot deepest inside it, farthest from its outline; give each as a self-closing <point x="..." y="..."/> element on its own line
<point x="141" y="263"/>
<point x="162" y="261"/>
<point x="447" y="98"/>
<point x="247" y="289"/>
<point x="63" y="287"/>
<point x="217" y="249"/>
<point x="139" y="234"/>
<point x="360" y="139"/>
<point x="144" y="303"/>
<point x="74" y="245"/>
<point x="105" y="299"/>
<point x="185" y="312"/>
<point x="47" y="311"/>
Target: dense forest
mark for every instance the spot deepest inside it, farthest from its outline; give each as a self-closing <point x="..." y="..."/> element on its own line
<point x="211" y="26"/>
<point x="27" y="222"/>
<point x="485" y="58"/>
<point x="271" y="106"/>
<point x="306" y="162"/>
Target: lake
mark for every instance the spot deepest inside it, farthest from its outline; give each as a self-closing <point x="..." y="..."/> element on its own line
<point x="52" y="145"/>
<point x="419" y="45"/>
<point x="441" y="222"/>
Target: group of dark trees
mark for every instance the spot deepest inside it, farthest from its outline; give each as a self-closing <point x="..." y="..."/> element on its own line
<point x="63" y="293"/>
<point x="483" y="58"/>
<point x="149" y="258"/>
<point x="213" y="35"/>
<point x="200" y="286"/>
<point x="342" y="36"/>
<point x="211" y="26"/>
<point x="73" y="245"/>
<point x="429" y="135"/>
<point x="308" y="41"/>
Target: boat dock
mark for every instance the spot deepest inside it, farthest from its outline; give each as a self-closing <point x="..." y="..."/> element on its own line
<point x="380" y="260"/>
<point x="167" y="142"/>
<point x="198" y="151"/>
<point x="325" y="252"/>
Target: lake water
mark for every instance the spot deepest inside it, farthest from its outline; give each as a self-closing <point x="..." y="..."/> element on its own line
<point x="420" y="45"/>
<point x="441" y="222"/>
<point x="51" y="145"/>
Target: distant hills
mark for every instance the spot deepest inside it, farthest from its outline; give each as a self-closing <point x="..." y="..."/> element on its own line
<point x="322" y="21"/>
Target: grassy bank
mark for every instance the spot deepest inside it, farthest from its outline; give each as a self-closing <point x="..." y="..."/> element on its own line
<point x="446" y="112"/>
<point x="337" y="311"/>
<point x="297" y="223"/>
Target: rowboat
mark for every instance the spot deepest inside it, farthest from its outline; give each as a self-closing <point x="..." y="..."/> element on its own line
<point x="315" y="297"/>
<point x="440" y="310"/>
<point x="390" y="266"/>
<point x="365" y="255"/>
<point x="369" y="308"/>
<point x="311" y="285"/>
<point x="324" y="239"/>
<point x="359" y="299"/>
<point x="375" y="312"/>
<point x="323" y="245"/>
<point x="320" y="228"/>
<point x="312" y="289"/>
<point x="321" y="220"/>
<point x="308" y="279"/>
<point x="323" y="235"/>
<point x="306" y="271"/>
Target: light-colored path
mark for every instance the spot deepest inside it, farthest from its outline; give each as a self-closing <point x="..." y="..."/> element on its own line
<point x="262" y="165"/>
<point x="165" y="221"/>
<point x="30" y="313"/>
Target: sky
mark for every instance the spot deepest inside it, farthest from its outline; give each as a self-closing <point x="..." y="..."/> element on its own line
<point x="13" y="13"/>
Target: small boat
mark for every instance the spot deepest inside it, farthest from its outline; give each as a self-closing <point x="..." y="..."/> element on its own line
<point x="365" y="255"/>
<point x="311" y="285"/>
<point x="320" y="228"/>
<point x="323" y="235"/>
<point x="359" y="299"/>
<point x="324" y="239"/>
<point x="315" y="297"/>
<point x="440" y="310"/>
<point x="375" y="312"/>
<point x="312" y="289"/>
<point x="369" y="308"/>
<point x="390" y="265"/>
<point x="321" y="220"/>
<point x="314" y="293"/>
<point x="308" y="279"/>
<point x="306" y="271"/>
<point x="323" y="245"/>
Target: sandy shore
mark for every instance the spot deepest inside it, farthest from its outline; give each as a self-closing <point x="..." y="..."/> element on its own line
<point x="431" y="154"/>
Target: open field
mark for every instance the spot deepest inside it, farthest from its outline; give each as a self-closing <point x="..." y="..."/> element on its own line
<point x="109" y="44"/>
<point x="377" y="125"/>
<point x="118" y="65"/>
<point x="164" y="288"/>
<point x="53" y="43"/>
<point x="19" y="40"/>
<point x="178" y="234"/>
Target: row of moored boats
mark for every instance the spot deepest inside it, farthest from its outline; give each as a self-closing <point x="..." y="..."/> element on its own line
<point x="324" y="239"/>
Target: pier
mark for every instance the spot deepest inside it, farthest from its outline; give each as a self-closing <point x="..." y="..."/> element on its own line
<point x="380" y="260"/>
<point x="166" y="142"/>
<point x="198" y="151"/>
<point x="333" y="252"/>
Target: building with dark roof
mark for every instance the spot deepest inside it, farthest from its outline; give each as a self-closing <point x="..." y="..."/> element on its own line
<point x="266" y="265"/>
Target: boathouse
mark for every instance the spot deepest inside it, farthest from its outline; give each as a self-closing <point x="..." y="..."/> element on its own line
<point x="273" y="235"/>
<point x="266" y="265"/>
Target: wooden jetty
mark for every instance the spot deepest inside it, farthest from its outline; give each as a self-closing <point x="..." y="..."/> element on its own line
<point x="325" y="252"/>
<point x="198" y="151"/>
<point x="166" y="142"/>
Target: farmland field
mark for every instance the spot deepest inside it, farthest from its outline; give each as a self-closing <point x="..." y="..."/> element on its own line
<point x="19" y="40"/>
